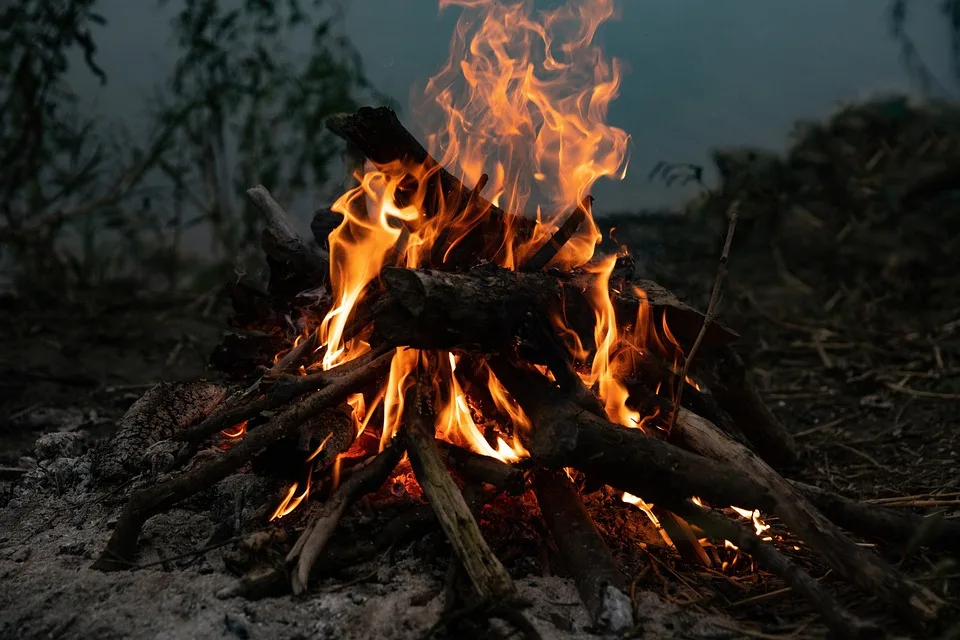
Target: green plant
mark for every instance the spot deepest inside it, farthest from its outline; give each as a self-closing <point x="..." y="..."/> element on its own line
<point x="79" y="207"/>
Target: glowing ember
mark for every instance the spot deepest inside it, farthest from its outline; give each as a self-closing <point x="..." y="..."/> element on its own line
<point x="237" y="431"/>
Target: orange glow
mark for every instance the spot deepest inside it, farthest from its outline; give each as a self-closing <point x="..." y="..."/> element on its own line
<point x="237" y="431"/>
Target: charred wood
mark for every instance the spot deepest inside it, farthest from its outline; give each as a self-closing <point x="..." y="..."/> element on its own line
<point x="856" y="564"/>
<point x="154" y="499"/>
<point x="487" y="574"/>
<point x="585" y="555"/>
<point x="365" y="478"/>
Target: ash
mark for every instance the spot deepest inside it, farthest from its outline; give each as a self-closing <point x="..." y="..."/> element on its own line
<point x="55" y="520"/>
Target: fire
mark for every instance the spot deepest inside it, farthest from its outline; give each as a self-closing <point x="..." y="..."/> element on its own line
<point x="521" y="106"/>
<point x="237" y="431"/>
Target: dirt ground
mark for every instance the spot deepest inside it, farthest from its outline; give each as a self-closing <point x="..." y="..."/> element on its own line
<point x="843" y="282"/>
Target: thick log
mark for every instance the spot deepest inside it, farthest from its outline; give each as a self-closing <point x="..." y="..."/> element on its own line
<point x="487" y="574"/>
<point x="856" y="564"/>
<point x="149" y="501"/>
<point x="585" y="554"/>
<point x="487" y="306"/>
<point x="165" y="411"/>
<point x="365" y="478"/>
<point x="380" y="136"/>
<point x="840" y="621"/>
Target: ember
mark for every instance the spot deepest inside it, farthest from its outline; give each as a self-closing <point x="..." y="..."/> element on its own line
<point x="479" y="333"/>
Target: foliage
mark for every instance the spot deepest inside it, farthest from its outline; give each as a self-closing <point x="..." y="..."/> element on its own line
<point x="929" y="83"/>
<point x="239" y="108"/>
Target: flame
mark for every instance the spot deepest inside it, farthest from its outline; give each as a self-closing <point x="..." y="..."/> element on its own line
<point x="519" y="107"/>
<point x="759" y="526"/>
<point x="292" y="499"/>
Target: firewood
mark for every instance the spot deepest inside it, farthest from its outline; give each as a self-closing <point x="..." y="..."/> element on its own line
<point x="265" y="395"/>
<point x="840" y="621"/>
<point x="292" y="257"/>
<point x="163" y="412"/>
<point x="733" y="387"/>
<point x="487" y="574"/>
<point x="487" y="305"/>
<point x="292" y="358"/>
<point x="546" y="253"/>
<point x="482" y="469"/>
<point x="584" y="553"/>
<point x="858" y="565"/>
<point x="365" y="478"/>
<point x="380" y="136"/>
<point x="151" y="500"/>
<point x="565" y="434"/>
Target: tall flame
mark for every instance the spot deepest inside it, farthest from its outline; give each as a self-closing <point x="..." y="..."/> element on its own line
<point x="522" y="99"/>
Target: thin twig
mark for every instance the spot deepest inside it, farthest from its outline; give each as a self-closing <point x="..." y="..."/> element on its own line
<point x="711" y="310"/>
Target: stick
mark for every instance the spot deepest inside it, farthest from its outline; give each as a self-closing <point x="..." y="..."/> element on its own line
<point x="488" y="576"/>
<point x="293" y="357"/>
<point x="555" y="243"/>
<point x="858" y="565"/>
<point x="586" y="556"/>
<point x="566" y="435"/>
<point x="280" y="394"/>
<point x="837" y="618"/>
<point x="367" y="477"/>
<point x="711" y="311"/>
<point x="149" y="501"/>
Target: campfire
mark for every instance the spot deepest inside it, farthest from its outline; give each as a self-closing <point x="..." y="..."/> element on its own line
<point x="459" y="327"/>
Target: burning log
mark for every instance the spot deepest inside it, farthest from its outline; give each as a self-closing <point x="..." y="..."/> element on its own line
<point x="586" y="556"/>
<point x="151" y="500"/>
<point x="380" y="136"/>
<point x="545" y="254"/>
<point x="854" y="563"/>
<point x="488" y="576"/>
<point x="364" y="479"/>
<point x="482" y="469"/>
<point x="838" y="619"/>
<point x="487" y="306"/>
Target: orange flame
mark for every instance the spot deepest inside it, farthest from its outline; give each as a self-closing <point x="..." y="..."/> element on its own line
<point x="237" y="431"/>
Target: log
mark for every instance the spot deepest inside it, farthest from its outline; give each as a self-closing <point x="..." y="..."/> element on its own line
<point x="151" y="500"/>
<point x="736" y="394"/>
<point x="293" y="257"/>
<point x="487" y="306"/>
<point x="164" y="412"/>
<point x="567" y="435"/>
<point x="479" y="468"/>
<point x="367" y="477"/>
<point x="380" y="136"/>
<point x="487" y="574"/>
<point x="840" y="621"/>
<point x="856" y="564"/>
<point x="585" y="555"/>
<point x="265" y="395"/>
<point x="546" y="253"/>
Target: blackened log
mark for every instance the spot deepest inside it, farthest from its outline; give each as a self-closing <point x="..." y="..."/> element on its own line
<point x="584" y="553"/>
<point x="840" y="621"/>
<point x="151" y="500"/>
<point x="479" y="468"/>
<point x="487" y="306"/>
<point x="735" y="392"/>
<point x="856" y="564"/>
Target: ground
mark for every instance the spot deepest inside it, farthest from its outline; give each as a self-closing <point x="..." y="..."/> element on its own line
<point x="843" y="283"/>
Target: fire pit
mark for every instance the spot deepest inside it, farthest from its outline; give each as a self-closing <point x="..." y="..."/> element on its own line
<point x="457" y="347"/>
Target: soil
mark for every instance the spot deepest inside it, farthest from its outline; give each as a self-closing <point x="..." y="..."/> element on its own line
<point x="844" y="282"/>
